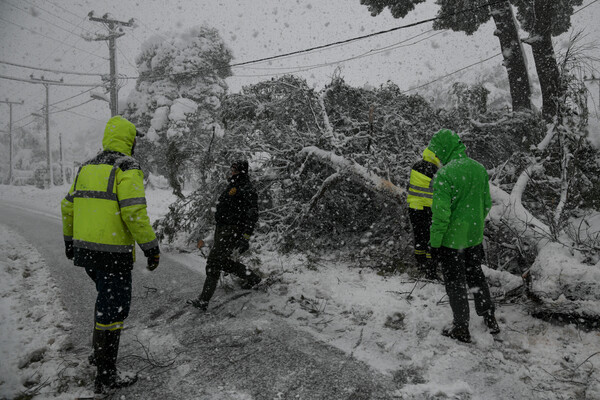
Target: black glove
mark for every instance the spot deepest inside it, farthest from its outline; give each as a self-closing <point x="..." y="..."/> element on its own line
<point x="69" y="252"/>
<point x="243" y="243"/>
<point x="153" y="262"/>
<point x="153" y="256"/>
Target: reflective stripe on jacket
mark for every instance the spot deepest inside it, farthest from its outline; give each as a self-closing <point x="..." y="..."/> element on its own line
<point x="105" y="209"/>
<point x="420" y="190"/>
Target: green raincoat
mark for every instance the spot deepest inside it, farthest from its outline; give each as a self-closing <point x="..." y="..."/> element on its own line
<point x="461" y="195"/>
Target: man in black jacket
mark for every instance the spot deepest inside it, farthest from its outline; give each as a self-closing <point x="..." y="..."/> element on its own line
<point x="236" y="216"/>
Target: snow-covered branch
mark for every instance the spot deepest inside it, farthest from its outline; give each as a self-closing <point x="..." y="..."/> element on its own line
<point x="360" y="174"/>
<point x="331" y="179"/>
<point x="510" y="209"/>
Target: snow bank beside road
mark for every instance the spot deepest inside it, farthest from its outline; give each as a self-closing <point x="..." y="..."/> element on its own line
<point x="48" y="200"/>
<point x="34" y="341"/>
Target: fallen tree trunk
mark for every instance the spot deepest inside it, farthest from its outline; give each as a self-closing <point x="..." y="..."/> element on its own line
<point x="357" y="173"/>
<point x="557" y="288"/>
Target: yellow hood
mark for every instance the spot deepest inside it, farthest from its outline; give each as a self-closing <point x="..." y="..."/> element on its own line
<point x="119" y="135"/>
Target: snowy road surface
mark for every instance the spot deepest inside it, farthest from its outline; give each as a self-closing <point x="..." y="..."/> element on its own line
<point x="322" y="330"/>
<point x="233" y="352"/>
<point x="44" y="230"/>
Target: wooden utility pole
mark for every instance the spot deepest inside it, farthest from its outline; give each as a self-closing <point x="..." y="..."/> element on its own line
<point x="10" y="144"/>
<point x="47" y="83"/>
<point x="113" y="33"/>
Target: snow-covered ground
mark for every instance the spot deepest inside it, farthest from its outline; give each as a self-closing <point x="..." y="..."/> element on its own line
<point x="34" y="329"/>
<point x="392" y="323"/>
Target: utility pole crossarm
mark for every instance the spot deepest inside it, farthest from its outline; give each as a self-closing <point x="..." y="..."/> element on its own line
<point x="111" y="38"/>
<point x="112" y="21"/>
<point x="101" y="38"/>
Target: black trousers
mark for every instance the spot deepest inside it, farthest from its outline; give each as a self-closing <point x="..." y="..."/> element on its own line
<point x="219" y="259"/>
<point x="421" y="223"/>
<point x="462" y="268"/>
<point x="113" y="300"/>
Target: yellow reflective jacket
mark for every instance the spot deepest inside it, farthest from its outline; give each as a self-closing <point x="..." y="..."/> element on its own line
<point x="420" y="190"/>
<point x="104" y="213"/>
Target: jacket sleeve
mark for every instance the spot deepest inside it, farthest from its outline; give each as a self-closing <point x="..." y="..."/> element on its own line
<point x="251" y="212"/>
<point x="440" y="209"/>
<point x="66" y="209"/>
<point x="132" y="202"/>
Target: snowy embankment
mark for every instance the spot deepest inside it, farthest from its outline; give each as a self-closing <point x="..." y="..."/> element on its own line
<point x="34" y="337"/>
<point x="391" y="323"/>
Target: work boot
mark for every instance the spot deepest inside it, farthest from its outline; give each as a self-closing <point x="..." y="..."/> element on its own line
<point x="116" y="380"/>
<point x="106" y="349"/>
<point x="491" y="323"/>
<point x="201" y="305"/>
<point x="460" y="333"/>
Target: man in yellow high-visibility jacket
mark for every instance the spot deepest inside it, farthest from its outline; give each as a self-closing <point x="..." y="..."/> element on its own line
<point x="104" y="215"/>
<point x="419" y="198"/>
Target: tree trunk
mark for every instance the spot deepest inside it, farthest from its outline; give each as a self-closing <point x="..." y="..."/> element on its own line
<point x="548" y="74"/>
<point x="545" y="61"/>
<point x="514" y="58"/>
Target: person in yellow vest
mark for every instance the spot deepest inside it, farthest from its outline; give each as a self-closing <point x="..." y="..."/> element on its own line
<point x="419" y="198"/>
<point x="104" y="215"/>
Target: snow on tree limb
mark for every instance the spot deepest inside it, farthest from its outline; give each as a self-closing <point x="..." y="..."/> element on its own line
<point x="550" y="131"/>
<point x="510" y="209"/>
<point x="358" y="172"/>
<point x="331" y="179"/>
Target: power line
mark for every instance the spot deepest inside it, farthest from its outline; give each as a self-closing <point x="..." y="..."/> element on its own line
<point x="49" y="37"/>
<point x="12" y="78"/>
<point x="115" y="31"/>
<point x="452" y="73"/>
<point x="368" y="35"/>
<point x="58" y="16"/>
<point x="65" y="40"/>
<point x="332" y="44"/>
<point x="584" y="7"/>
<point x="41" y="18"/>
<point x="369" y="53"/>
<point x="72" y="97"/>
<point x="125" y="57"/>
<point x="150" y="30"/>
<point x="64" y="9"/>
<point x="84" y="116"/>
<point x="57" y="102"/>
<point x="27" y="124"/>
<point x="50" y="70"/>
<point x="70" y="108"/>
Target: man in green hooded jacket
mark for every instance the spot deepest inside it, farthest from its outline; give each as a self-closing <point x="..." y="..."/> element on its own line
<point x="461" y="201"/>
<point x="104" y="215"/>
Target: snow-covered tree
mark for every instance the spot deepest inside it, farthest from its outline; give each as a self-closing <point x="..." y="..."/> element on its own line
<point x="543" y="20"/>
<point x="468" y="16"/>
<point x="327" y="176"/>
<point x="177" y="98"/>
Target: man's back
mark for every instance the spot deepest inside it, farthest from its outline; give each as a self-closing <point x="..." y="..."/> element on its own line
<point x="461" y="203"/>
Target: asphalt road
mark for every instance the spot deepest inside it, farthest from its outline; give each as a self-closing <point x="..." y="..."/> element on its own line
<point x="239" y="350"/>
<point x="44" y="232"/>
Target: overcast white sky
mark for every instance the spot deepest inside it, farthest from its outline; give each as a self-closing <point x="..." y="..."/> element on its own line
<point x="46" y="33"/>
